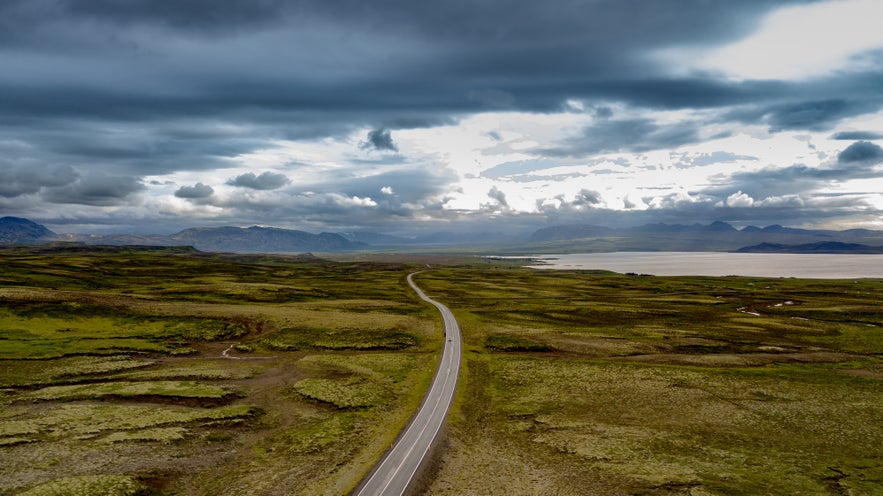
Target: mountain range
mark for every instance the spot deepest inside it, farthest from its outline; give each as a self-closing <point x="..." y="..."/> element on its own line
<point x="717" y="236"/>
<point x="253" y="239"/>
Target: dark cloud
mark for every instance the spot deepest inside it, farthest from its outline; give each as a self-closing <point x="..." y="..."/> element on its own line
<point x="197" y="191"/>
<point x="100" y="191"/>
<point x="402" y="58"/>
<point x="184" y="14"/>
<point x="97" y="93"/>
<point x="603" y="112"/>
<point x="266" y="181"/>
<point x="764" y="183"/>
<point x="499" y="197"/>
<point x="380" y="139"/>
<point x="817" y="115"/>
<point x="587" y="198"/>
<point x="189" y="16"/>
<point x="26" y="178"/>
<point x="857" y="135"/>
<point x="800" y="179"/>
<point x="862" y="152"/>
<point x="635" y="135"/>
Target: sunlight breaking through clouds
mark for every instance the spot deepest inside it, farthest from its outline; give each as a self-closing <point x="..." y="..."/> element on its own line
<point x="802" y="41"/>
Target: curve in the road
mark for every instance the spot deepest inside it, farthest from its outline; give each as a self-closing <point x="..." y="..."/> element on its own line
<point x="396" y="471"/>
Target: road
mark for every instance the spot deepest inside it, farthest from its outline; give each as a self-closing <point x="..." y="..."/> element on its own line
<point x="396" y="471"/>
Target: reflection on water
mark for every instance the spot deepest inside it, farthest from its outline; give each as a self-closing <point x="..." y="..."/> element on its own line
<point x="816" y="266"/>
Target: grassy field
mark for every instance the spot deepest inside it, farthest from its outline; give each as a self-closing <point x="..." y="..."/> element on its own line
<point x="598" y="383"/>
<point x="142" y="371"/>
<point x="166" y="371"/>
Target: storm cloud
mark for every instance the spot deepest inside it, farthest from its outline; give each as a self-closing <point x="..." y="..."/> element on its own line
<point x="861" y="151"/>
<point x="397" y="111"/>
<point x="197" y="191"/>
<point x="18" y="179"/>
<point x="634" y="135"/>
<point x="96" y="191"/>
<point x="380" y="139"/>
<point x="265" y="181"/>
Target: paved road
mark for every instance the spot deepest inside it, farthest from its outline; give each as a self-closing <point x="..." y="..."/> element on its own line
<point x="394" y="474"/>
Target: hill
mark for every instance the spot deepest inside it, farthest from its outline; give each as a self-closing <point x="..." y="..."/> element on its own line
<point x="18" y="230"/>
<point x="261" y="239"/>
<point x="820" y="247"/>
<point x="718" y="236"/>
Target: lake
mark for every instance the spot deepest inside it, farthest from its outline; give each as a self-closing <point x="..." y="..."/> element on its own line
<point x="814" y="266"/>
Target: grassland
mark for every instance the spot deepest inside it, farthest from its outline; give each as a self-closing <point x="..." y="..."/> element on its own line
<point x="142" y="371"/>
<point x="173" y="372"/>
<point x="599" y="383"/>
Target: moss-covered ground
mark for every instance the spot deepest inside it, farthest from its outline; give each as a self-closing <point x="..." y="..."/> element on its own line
<point x="166" y="371"/>
<point x="606" y="384"/>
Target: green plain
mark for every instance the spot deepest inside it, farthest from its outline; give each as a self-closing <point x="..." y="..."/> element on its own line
<point x="178" y="372"/>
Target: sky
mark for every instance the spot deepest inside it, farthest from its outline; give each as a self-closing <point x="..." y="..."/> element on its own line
<point x="407" y="116"/>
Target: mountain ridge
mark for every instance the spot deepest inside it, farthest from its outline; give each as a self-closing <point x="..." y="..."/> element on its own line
<point x="717" y="236"/>
<point x="819" y="247"/>
<point x="20" y="230"/>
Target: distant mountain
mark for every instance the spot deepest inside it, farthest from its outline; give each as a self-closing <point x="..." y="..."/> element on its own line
<point x="714" y="227"/>
<point x="375" y="239"/>
<point x="556" y="233"/>
<point x="820" y="247"/>
<point x="717" y="236"/>
<point x="229" y="239"/>
<point x="18" y="230"/>
<point x="261" y="239"/>
<point x="443" y="239"/>
<point x="118" y="239"/>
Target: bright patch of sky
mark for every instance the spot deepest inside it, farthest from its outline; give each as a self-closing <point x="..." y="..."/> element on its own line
<point x="796" y="42"/>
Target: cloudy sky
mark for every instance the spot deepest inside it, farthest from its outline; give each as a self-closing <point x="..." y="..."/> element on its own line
<point x="407" y="116"/>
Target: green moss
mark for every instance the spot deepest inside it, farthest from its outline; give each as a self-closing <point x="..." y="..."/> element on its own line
<point x="350" y="392"/>
<point x="289" y="339"/>
<point x="72" y="420"/>
<point x="157" y="434"/>
<point x="91" y="485"/>
<point x="171" y="389"/>
<point x="321" y="435"/>
<point x="664" y="385"/>
<point x="34" y="372"/>
<point x="382" y="367"/>
<point x="513" y="343"/>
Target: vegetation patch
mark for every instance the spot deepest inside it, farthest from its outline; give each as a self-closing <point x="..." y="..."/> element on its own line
<point x="505" y="342"/>
<point x="320" y="435"/>
<point x="664" y="385"/>
<point x="290" y="339"/>
<point x="349" y="392"/>
<point x="168" y="373"/>
<point x="382" y="367"/>
<point x="87" y="420"/>
<point x="92" y="485"/>
<point x="103" y="349"/>
<point x="56" y="329"/>
<point x="157" y="434"/>
<point x="35" y="372"/>
<point x="169" y="389"/>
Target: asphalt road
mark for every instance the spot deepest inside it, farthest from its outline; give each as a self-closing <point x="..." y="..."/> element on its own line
<point x="396" y="471"/>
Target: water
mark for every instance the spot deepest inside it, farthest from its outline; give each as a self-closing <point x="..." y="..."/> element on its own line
<point x="814" y="266"/>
